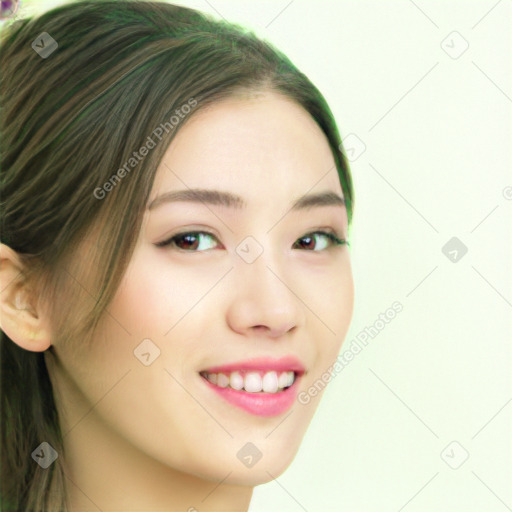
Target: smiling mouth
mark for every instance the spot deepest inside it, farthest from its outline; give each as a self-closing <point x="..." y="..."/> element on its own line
<point x="263" y="386"/>
<point x="252" y="381"/>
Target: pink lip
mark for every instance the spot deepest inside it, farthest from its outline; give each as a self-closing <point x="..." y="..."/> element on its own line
<point x="265" y="364"/>
<point x="260" y="404"/>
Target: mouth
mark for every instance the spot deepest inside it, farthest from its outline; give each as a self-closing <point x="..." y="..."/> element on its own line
<point x="253" y="381"/>
<point x="263" y="387"/>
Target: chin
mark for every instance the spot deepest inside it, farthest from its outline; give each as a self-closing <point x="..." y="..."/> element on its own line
<point x="250" y="477"/>
<point x="248" y="464"/>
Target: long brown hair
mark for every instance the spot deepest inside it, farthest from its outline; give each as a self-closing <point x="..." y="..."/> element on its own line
<point x="71" y="119"/>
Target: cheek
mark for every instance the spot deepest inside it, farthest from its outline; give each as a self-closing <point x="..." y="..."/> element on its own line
<point x="345" y="295"/>
<point x="329" y="293"/>
<point x="149" y="297"/>
<point x="334" y="301"/>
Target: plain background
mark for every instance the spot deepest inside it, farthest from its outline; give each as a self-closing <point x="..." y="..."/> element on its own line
<point x="434" y="120"/>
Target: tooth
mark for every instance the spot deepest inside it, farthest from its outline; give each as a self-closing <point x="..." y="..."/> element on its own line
<point x="236" y="381"/>
<point x="252" y="382"/>
<point x="291" y="378"/>
<point x="222" y="380"/>
<point x="212" y="377"/>
<point x="283" y="380"/>
<point x="270" y="383"/>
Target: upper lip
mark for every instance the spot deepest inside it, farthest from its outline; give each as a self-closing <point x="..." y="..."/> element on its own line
<point x="283" y="364"/>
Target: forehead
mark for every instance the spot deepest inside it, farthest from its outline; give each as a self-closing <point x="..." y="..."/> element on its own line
<point x="258" y="146"/>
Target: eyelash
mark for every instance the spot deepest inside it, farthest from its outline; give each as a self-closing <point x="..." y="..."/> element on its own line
<point x="335" y="241"/>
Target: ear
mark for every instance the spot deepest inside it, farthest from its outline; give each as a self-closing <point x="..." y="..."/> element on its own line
<point x="20" y="315"/>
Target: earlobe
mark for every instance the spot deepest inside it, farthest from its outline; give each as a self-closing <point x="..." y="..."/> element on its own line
<point x="19" y="318"/>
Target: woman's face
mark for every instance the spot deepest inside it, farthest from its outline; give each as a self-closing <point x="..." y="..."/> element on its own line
<point x="257" y="292"/>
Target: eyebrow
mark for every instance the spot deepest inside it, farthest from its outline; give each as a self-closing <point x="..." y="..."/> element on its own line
<point x="230" y="200"/>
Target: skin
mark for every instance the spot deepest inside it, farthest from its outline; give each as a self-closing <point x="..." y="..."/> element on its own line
<point x="155" y="437"/>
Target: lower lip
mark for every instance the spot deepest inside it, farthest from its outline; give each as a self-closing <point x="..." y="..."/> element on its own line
<point x="259" y="404"/>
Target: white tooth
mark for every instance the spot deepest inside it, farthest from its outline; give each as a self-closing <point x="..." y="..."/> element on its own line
<point x="291" y="378"/>
<point x="269" y="382"/>
<point x="283" y="380"/>
<point x="222" y="380"/>
<point x="252" y="382"/>
<point x="236" y="381"/>
<point x="212" y="377"/>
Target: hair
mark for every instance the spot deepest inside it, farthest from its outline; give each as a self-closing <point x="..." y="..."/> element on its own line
<point x="69" y="120"/>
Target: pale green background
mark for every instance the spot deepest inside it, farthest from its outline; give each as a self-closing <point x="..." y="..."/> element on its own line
<point x="435" y="166"/>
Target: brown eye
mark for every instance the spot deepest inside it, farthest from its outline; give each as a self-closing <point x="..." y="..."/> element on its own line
<point x="309" y="241"/>
<point x="188" y="241"/>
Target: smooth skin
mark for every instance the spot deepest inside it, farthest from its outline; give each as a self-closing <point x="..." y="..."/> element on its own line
<point x="156" y="437"/>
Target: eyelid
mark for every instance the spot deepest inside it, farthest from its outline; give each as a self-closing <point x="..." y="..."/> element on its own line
<point x="167" y="241"/>
<point x="339" y="238"/>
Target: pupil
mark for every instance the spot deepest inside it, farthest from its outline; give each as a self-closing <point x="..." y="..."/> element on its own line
<point x="188" y="239"/>
<point x="308" y="243"/>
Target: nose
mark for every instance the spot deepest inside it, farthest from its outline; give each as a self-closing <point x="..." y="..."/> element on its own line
<point x="263" y="302"/>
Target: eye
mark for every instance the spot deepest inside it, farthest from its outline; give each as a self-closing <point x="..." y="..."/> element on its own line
<point x="188" y="241"/>
<point x="191" y="241"/>
<point x="332" y="240"/>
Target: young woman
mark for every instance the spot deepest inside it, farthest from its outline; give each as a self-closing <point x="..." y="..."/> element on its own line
<point x="175" y="269"/>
